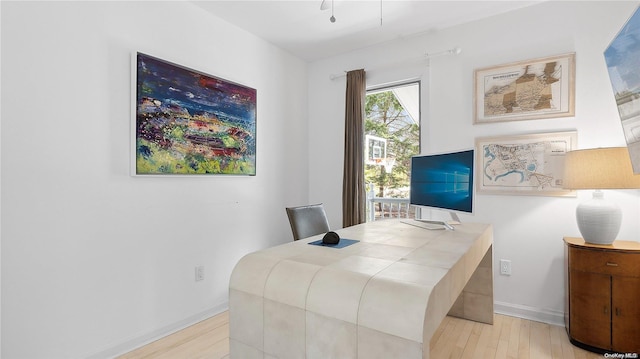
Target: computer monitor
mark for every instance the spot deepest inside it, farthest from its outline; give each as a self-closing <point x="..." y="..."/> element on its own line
<point x="443" y="181"/>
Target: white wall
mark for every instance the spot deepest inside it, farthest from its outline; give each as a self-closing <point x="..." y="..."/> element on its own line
<point x="528" y="230"/>
<point x="95" y="261"/>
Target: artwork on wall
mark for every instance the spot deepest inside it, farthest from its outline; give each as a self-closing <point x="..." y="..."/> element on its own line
<point x="525" y="90"/>
<point x="524" y="164"/>
<point x="623" y="62"/>
<point x="190" y="123"/>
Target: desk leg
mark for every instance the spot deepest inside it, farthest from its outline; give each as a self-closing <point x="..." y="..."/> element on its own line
<point x="476" y="300"/>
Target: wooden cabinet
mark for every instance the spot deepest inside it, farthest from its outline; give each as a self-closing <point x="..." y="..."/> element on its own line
<point x="603" y="295"/>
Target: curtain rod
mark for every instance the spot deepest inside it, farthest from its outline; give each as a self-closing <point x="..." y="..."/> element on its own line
<point x="426" y="57"/>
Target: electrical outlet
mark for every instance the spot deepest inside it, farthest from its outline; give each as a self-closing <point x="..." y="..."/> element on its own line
<point x="505" y="267"/>
<point x="199" y="273"/>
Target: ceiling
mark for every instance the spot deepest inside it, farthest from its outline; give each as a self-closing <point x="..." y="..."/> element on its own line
<point x="303" y="29"/>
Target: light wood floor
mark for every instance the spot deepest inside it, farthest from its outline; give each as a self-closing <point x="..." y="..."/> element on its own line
<point x="508" y="337"/>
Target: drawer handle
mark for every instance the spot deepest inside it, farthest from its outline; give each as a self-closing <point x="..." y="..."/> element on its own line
<point x="612" y="264"/>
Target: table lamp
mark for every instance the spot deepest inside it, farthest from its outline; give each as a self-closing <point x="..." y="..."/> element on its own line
<point x="599" y="168"/>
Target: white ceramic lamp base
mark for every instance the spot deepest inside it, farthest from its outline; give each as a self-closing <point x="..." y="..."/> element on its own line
<point x="599" y="220"/>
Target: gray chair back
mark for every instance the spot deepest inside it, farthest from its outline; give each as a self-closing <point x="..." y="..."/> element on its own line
<point x="307" y="221"/>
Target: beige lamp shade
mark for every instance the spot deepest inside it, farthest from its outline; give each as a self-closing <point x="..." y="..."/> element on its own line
<point x="599" y="168"/>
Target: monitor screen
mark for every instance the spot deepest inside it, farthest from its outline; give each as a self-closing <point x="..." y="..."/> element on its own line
<point x="443" y="181"/>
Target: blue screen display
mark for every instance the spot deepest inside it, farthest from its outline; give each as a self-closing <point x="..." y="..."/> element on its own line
<point x="443" y="181"/>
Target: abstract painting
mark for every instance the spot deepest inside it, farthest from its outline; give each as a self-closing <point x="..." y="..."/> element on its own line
<point x="623" y="62"/>
<point x="190" y="123"/>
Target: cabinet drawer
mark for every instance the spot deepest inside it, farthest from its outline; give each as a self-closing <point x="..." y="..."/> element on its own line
<point x="606" y="262"/>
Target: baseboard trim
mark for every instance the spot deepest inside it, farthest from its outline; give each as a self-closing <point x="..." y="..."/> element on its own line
<point x="139" y="341"/>
<point x="536" y="314"/>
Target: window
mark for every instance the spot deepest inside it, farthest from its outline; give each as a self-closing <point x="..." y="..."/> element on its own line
<point x="392" y="137"/>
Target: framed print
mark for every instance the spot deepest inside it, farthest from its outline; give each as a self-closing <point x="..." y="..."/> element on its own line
<point x="623" y="63"/>
<point x="526" y="90"/>
<point x="525" y="164"/>
<point x="190" y="123"/>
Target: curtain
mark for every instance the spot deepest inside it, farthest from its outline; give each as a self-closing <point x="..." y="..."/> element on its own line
<point x="353" y="188"/>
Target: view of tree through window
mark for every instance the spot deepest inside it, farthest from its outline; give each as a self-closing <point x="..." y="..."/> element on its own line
<point x="392" y="129"/>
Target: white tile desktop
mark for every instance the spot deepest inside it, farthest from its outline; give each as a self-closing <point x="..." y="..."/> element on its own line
<point x="406" y="301"/>
<point x="336" y="294"/>
<point x="289" y="282"/>
<point x="383" y="297"/>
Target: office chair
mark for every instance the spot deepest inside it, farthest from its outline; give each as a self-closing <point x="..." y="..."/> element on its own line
<point x="307" y="221"/>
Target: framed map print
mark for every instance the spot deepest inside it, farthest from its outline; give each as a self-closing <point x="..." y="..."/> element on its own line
<point x="524" y="165"/>
<point x="526" y="90"/>
<point x="186" y="122"/>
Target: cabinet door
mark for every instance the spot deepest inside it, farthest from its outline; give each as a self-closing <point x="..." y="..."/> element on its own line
<point x="626" y="314"/>
<point x="590" y="308"/>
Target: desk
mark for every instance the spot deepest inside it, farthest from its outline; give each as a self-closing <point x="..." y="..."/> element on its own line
<point x="382" y="297"/>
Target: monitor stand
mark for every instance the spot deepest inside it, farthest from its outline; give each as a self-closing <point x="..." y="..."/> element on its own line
<point x="435" y="224"/>
<point x="430" y="224"/>
<point x="454" y="218"/>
